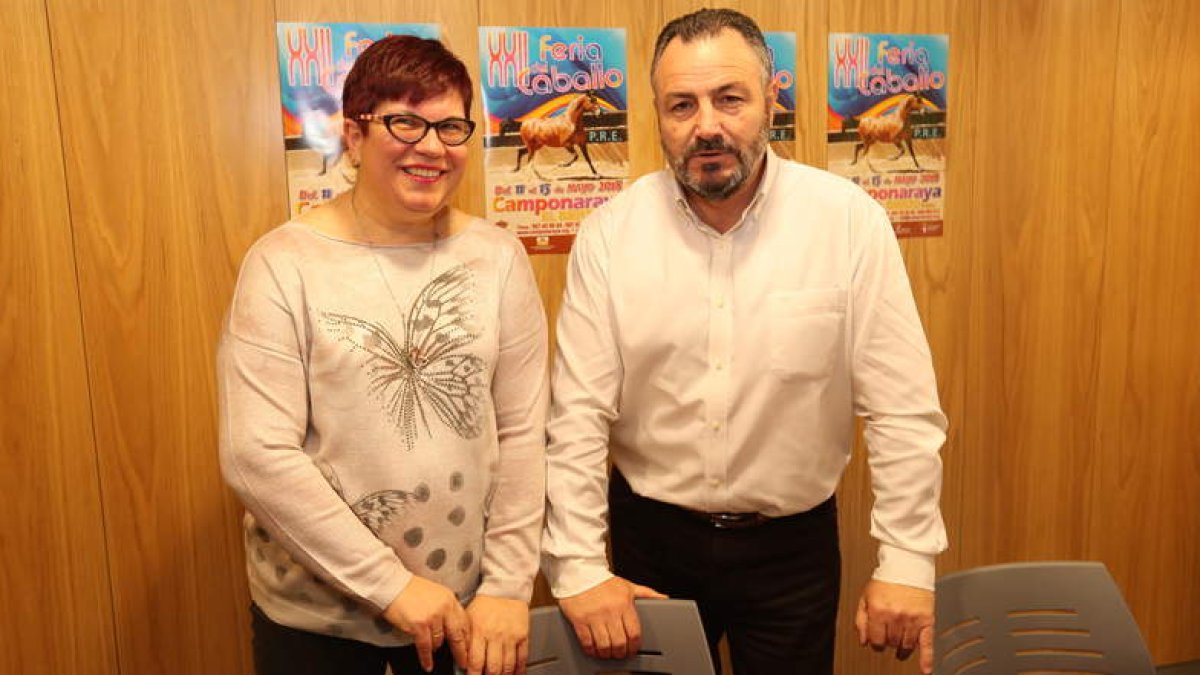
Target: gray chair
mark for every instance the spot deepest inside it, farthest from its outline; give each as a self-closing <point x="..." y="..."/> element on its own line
<point x="672" y="642"/>
<point x="1059" y="617"/>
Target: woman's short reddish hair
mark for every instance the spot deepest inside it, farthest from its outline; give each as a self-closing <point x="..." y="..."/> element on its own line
<point x="403" y="68"/>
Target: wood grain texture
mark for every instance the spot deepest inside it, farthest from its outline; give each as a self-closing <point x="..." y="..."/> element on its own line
<point x="171" y="127"/>
<point x="1042" y="150"/>
<point x="1145" y="435"/>
<point x="54" y="584"/>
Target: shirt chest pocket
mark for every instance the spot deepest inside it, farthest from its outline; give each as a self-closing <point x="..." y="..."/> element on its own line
<point x="807" y="330"/>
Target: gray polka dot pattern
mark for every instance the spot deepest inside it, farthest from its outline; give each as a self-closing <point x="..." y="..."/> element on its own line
<point x="414" y="537"/>
<point x="425" y="523"/>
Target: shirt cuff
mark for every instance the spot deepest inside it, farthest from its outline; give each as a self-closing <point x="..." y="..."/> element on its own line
<point x="512" y="589"/>
<point x="898" y="566"/>
<point x="574" y="576"/>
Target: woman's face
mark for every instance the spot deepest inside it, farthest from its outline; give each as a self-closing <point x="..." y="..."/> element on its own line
<point x="411" y="181"/>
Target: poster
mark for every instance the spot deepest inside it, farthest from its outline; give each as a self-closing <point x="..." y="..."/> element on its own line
<point x="314" y="59"/>
<point x="782" y="47"/>
<point x="555" y="128"/>
<point x="886" y="125"/>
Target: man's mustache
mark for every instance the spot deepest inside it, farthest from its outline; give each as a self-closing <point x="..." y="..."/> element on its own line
<point x="714" y="144"/>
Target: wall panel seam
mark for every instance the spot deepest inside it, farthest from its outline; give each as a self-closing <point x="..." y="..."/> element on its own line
<point x="55" y="74"/>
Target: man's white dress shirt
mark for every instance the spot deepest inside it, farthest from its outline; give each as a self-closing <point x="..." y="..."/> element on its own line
<point x="722" y="372"/>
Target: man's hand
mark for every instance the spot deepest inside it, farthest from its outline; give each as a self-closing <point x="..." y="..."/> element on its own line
<point x="605" y="620"/>
<point x="430" y="613"/>
<point x="898" y="616"/>
<point x="499" y="636"/>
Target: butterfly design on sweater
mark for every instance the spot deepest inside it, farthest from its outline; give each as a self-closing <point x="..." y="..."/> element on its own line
<point x="376" y="509"/>
<point x="427" y="371"/>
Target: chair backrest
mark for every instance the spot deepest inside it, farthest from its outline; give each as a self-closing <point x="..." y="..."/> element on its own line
<point x="1061" y="617"/>
<point x="672" y="642"/>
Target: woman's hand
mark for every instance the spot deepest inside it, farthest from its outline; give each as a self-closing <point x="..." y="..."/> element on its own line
<point x="430" y="613"/>
<point x="499" y="636"/>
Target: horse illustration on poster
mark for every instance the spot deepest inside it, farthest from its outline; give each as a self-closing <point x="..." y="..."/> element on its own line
<point x="562" y="131"/>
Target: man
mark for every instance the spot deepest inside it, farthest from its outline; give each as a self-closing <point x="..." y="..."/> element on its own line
<point x="723" y="323"/>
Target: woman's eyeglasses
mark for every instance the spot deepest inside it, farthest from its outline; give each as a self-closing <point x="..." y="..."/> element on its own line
<point x="410" y="128"/>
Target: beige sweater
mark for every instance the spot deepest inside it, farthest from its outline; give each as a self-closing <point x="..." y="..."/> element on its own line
<point x="383" y="415"/>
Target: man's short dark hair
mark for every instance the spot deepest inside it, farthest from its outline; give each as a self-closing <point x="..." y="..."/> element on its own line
<point x="707" y="23"/>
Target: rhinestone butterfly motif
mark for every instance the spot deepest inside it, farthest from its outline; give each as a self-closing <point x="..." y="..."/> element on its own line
<point x="428" y="371"/>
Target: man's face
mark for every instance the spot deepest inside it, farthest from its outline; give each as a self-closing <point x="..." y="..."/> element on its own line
<point x="714" y="112"/>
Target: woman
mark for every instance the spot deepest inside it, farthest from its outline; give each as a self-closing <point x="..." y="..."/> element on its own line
<point x="383" y="399"/>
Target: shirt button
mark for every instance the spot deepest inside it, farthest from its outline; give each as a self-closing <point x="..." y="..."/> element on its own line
<point x="714" y="482"/>
<point x="719" y="365"/>
<point x="720" y="303"/>
<point x="716" y="426"/>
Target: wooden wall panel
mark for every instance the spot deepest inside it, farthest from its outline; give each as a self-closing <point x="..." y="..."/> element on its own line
<point x="1145" y="437"/>
<point x="54" y="584"/>
<point x="171" y="132"/>
<point x="1038" y="255"/>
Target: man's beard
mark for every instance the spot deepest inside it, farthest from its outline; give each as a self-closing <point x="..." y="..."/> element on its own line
<point x="717" y="189"/>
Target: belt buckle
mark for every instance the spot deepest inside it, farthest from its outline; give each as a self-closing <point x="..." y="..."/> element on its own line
<point x="730" y="521"/>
